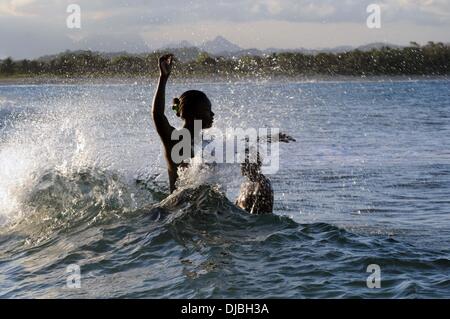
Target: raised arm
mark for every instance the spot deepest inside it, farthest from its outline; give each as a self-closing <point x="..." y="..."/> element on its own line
<point x="163" y="127"/>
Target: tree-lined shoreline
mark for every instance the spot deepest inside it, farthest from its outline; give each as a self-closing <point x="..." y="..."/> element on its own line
<point x="432" y="59"/>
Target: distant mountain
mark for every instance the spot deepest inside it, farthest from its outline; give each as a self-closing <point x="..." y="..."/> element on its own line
<point x="183" y="54"/>
<point x="219" y="46"/>
<point x="297" y="50"/>
<point x="269" y="51"/>
<point x="179" y="45"/>
<point x="340" y="49"/>
<point x="186" y="51"/>
<point x="242" y="52"/>
<point x="223" y="47"/>
<point x="109" y="43"/>
<point x="378" y="45"/>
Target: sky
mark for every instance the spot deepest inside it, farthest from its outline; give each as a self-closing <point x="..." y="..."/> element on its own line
<point x="32" y="28"/>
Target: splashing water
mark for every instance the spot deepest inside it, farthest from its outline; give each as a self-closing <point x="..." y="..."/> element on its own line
<point x="83" y="181"/>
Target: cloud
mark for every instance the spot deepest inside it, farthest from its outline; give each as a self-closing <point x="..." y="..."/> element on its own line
<point x="15" y="7"/>
<point x="125" y="23"/>
<point x="422" y="11"/>
<point x="139" y="13"/>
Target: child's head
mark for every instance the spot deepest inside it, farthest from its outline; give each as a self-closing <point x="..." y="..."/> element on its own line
<point x="194" y="105"/>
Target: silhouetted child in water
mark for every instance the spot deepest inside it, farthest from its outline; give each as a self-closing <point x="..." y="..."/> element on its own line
<point x="256" y="193"/>
<point x="256" y="196"/>
<point x="191" y="106"/>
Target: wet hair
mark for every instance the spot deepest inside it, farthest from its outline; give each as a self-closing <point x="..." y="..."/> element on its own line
<point x="187" y="105"/>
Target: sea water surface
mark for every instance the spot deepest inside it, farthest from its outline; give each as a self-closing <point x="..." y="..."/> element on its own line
<point x="83" y="184"/>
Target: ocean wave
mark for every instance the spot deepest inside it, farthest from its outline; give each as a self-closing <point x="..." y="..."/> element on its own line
<point x="195" y="237"/>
